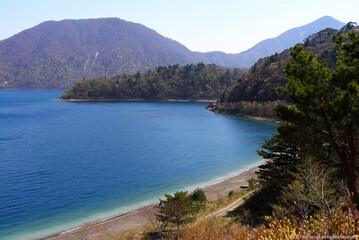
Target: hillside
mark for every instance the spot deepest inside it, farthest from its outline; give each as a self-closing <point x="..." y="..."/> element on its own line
<point x="259" y="84"/>
<point x="56" y="54"/>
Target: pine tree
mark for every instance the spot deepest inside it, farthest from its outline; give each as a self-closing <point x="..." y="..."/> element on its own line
<point x="324" y="118"/>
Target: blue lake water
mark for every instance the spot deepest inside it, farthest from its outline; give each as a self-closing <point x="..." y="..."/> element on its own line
<point x="65" y="164"/>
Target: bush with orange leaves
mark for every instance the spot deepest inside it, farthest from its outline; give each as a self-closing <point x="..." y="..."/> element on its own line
<point x="343" y="225"/>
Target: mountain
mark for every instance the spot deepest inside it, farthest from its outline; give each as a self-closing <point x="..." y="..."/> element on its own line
<point x="286" y="40"/>
<point x="257" y="87"/>
<point x="56" y="54"/>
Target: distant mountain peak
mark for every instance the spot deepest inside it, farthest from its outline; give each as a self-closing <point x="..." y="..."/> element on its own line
<point x="326" y="18"/>
<point x="289" y="38"/>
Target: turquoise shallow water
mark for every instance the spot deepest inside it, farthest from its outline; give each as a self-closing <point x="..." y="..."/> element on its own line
<point x="66" y="164"/>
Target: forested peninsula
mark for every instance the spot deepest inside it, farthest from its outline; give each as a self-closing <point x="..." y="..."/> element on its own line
<point x="189" y="82"/>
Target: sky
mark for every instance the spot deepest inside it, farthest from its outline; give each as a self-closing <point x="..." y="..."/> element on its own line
<point x="230" y="26"/>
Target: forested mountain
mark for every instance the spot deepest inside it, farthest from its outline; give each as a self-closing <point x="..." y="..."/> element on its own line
<point x="56" y="54"/>
<point x="258" y="85"/>
<point x="190" y="82"/>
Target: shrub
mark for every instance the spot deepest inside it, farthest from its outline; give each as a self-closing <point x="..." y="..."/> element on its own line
<point x="231" y="193"/>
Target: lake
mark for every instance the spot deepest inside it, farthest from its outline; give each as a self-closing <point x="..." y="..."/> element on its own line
<point x="66" y="164"/>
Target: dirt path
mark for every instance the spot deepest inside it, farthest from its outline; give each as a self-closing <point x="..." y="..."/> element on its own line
<point x="223" y="211"/>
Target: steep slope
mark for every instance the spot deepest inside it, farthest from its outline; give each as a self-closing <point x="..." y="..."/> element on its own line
<point x="55" y="54"/>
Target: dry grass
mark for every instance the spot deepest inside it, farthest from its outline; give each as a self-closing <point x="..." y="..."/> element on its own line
<point x="222" y="202"/>
<point x="207" y="229"/>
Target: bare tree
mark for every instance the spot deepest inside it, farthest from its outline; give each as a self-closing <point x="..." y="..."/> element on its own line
<point x="313" y="189"/>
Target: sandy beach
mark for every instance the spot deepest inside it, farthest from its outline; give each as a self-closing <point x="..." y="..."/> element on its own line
<point x="117" y="225"/>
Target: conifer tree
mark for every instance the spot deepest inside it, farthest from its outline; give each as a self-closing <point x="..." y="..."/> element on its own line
<point x="325" y="115"/>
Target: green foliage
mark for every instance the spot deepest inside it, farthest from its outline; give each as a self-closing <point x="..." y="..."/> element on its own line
<point x="327" y="106"/>
<point x="177" y="210"/>
<point x="231" y="194"/>
<point x="316" y="129"/>
<point x="190" y="82"/>
<point x="173" y="213"/>
<point x="252" y="183"/>
<point x="248" y="108"/>
<point x="323" y="124"/>
<point x="177" y="196"/>
<point x="198" y="198"/>
<point x="282" y="158"/>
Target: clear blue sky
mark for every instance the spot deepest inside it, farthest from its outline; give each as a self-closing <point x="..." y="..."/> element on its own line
<point x="201" y="25"/>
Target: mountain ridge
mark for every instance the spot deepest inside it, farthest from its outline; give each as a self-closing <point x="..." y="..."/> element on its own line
<point x="56" y="54"/>
<point x="281" y="42"/>
<point x="304" y="31"/>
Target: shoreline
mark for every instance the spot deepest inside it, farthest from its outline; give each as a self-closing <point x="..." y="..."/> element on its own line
<point x="136" y="100"/>
<point x="256" y="118"/>
<point x="140" y="217"/>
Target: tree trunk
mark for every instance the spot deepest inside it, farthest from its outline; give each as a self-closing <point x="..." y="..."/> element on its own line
<point x="352" y="170"/>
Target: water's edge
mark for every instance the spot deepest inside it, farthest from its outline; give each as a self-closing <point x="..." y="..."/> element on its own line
<point x="150" y="205"/>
